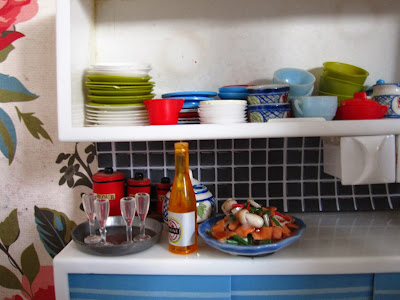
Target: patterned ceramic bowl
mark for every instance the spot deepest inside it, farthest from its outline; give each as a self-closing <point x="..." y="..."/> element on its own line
<point x="264" y="112"/>
<point x="268" y="94"/>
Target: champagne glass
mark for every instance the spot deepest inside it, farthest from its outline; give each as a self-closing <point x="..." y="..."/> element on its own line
<point x="142" y="205"/>
<point x="102" y="210"/>
<point x="128" y="210"/>
<point x="88" y="206"/>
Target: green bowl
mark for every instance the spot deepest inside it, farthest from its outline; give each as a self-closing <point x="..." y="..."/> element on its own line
<point x="345" y="72"/>
<point x="337" y="86"/>
<point x="339" y="97"/>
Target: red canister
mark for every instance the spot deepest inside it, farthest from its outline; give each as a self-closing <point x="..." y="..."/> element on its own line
<point x="163" y="188"/>
<point x="109" y="184"/>
<point x="139" y="184"/>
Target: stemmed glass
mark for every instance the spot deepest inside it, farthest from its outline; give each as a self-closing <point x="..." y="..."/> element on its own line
<point x="102" y="210"/>
<point x="128" y="210"/>
<point x="88" y="206"/>
<point x="142" y="206"/>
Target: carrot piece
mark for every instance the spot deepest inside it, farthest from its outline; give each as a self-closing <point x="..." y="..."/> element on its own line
<point x="264" y="233"/>
<point x="222" y="235"/>
<point x="277" y="233"/>
<point x="233" y="225"/>
<point x="244" y="230"/>
<point x="292" y="226"/>
<point x="219" y="226"/>
<point x="286" y="231"/>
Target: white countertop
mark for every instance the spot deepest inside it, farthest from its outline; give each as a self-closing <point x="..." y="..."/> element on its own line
<point x="333" y="243"/>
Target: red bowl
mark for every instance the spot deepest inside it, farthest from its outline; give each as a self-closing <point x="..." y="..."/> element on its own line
<point x="163" y="111"/>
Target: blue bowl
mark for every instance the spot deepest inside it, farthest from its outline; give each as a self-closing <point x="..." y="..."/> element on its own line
<point x="189" y="93"/>
<point x="264" y="112"/>
<point x="300" y="81"/>
<point x="240" y="96"/>
<point x="247" y="250"/>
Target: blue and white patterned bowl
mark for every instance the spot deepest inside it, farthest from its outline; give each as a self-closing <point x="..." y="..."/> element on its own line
<point x="268" y="94"/>
<point x="393" y="104"/>
<point x="264" y="112"/>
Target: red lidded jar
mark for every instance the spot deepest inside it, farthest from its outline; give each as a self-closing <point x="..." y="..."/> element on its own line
<point x="139" y="184"/>
<point x="163" y="188"/>
<point x="109" y="184"/>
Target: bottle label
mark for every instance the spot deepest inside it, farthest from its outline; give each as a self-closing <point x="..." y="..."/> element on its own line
<point x="108" y="196"/>
<point x="181" y="228"/>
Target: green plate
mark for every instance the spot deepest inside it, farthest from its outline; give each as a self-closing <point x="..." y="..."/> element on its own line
<point x="111" y="78"/>
<point x="120" y="93"/>
<point x="120" y="99"/>
<point x="118" y="85"/>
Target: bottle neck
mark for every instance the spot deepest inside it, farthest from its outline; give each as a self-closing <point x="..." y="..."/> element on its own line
<point x="181" y="163"/>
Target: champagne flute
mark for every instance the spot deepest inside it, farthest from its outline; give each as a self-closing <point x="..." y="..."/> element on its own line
<point x="142" y="205"/>
<point x="102" y="210"/>
<point x="128" y="210"/>
<point x="88" y="206"/>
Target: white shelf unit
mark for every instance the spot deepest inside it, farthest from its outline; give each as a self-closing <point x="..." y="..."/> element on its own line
<point x="203" y="45"/>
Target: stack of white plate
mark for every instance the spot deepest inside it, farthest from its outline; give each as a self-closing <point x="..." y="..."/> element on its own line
<point x="116" y="115"/>
<point x="222" y="111"/>
<point x="121" y="69"/>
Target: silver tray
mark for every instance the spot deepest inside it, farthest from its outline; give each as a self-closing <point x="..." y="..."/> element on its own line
<point x="116" y="235"/>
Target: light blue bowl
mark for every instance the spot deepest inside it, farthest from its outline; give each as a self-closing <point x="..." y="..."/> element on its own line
<point x="315" y="107"/>
<point x="300" y="81"/>
<point x="264" y="112"/>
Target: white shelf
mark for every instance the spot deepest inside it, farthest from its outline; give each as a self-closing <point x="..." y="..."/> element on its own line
<point x="232" y="131"/>
<point x="203" y="45"/>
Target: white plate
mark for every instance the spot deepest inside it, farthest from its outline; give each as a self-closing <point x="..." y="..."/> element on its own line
<point x="105" y="107"/>
<point x="223" y="102"/>
<point x="116" y="113"/>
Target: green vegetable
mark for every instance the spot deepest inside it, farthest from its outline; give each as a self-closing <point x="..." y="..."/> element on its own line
<point x="232" y="242"/>
<point x="250" y="239"/>
<point x="232" y="218"/>
<point x="255" y="209"/>
<point x="276" y="221"/>
<point x="240" y="240"/>
<point x="268" y="212"/>
<point x="265" y="242"/>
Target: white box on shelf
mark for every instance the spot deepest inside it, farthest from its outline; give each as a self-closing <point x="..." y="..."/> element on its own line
<point x="361" y="159"/>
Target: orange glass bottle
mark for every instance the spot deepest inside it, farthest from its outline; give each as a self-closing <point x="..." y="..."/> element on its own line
<point x="182" y="223"/>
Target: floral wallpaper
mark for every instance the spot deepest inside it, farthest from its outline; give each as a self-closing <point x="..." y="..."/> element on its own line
<point x="41" y="179"/>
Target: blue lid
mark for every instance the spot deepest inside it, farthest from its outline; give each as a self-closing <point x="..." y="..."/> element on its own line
<point x="190" y="93"/>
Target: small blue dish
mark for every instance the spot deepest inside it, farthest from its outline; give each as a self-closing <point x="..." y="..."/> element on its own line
<point x="264" y="112"/>
<point x="247" y="250"/>
<point x="234" y="89"/>
<point x="189" y="93"/>
<point x="240" y="96"/>
<point x="268" y="88"/>
<point x="192" y="98"/>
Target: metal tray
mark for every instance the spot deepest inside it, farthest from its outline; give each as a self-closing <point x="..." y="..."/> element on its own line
<point x="116" y="235"/>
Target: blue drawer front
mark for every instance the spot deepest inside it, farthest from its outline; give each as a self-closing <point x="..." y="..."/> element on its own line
<point x="387" y="286"/>
<point x="110" y="286"/>
<point x="357" y="286"/>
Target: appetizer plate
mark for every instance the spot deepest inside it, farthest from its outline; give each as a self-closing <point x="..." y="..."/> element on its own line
<point x="111" y="78"/>
<point x="118" y="85"/>
<point x="116" y="235"/>
<point x="247" y="250"/>
<point x="190" y="93"/>
<point x="137" y="92"/>
<point x="116" y="107"/>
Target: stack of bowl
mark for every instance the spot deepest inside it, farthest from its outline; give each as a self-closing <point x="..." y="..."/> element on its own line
<point x="233" y="92"/>
<point x="341" y="80"/>
<point x="188" y="114"/>
<point x="267" y="102"/>
<point x="222" y="111"/>
<point x="116" y="93"/>
<point x="301" y="82"/>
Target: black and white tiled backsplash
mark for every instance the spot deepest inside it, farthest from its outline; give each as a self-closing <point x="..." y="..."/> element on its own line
<point x="282" y="172"/>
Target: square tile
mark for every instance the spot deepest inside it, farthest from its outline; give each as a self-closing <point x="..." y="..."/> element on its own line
<point x="275" y="142"/>
<point x="394" y="188"/>
<point x="310" y="189"/>
<point x="364" y="204"/>
<point x="327" y="188"/>
<point x="275" y="173"/>
<point x="122" y="160"/>
<point x="102" y="147"/>
<point x="275" y="190"/>
<point x="346" y="204"/>
<point x="104" y="160"/>
<point x="122" y="146"/>
<point x="278" y="203"/>
<point x="224" y="144"/>
<point x="207" y="175"/>
<point x="296" y="142"/>
<point x="156" y="175"/>
<point x="138" y="146"/>
<point x="224" y="158"/>
<point x="258" y="157"/>
<point x="241" y="190"/>
<point x="328" y="205"/>
<point x="361" y="189"/>
<point x="224" y="190"/>
<point x="126" y="172"/>
<point x="378" y="189"/>
<point x="310" y="172"/>
<point x="156" y="146"/>
<point x="241" y="174"/>
<point x="293" y="173"/>
<point x="207" y="145"/>
<point x="170" y="159"/>
<point x="294" y="206"/>
<point x="258" y="143"/>
<point x="275" y="157"/>
<point x="241" y="157"/>
<point x="207" y="158"/>
<point x="258" y="173"/>
<point x="139" y="159"/>
<point x="293" y="156"/>
<point x="192" y="158"/>
<point x="344" y="189"/>
<point x="312" y="142"/>
<point x="156" y="159"/>
<point x="293" y="189"/>
<point x="311" y="205"/>
<point x="241" y="144"/>
<point x="224" y="174"/>
<point x="311" y="156"/>
<point x="395" y="202"/>
<point x="381" y="203"/>
<point x="258" y="190"/>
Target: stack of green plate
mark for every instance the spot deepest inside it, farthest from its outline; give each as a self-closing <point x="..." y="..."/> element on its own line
<point x="110" y="89"/>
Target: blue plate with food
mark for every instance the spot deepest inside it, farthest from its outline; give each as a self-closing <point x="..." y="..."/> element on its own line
<point x="248" y="229"/>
